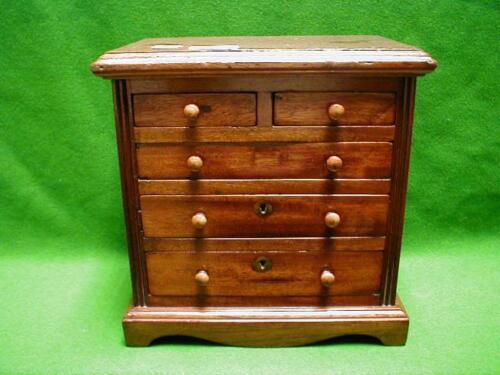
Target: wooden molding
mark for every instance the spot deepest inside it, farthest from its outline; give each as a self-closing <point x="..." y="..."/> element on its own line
<point x="266" y="326"/>
<point x="126" y="154"/>
<point x="399" y="184"/>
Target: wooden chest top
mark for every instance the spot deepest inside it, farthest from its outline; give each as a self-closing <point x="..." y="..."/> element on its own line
<point x="345" y="53"/>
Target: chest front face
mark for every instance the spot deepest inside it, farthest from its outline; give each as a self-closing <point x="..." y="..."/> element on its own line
<point x="264" y="207"/>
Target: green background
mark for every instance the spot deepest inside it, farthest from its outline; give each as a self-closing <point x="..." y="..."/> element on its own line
<point x="64" y="277"/>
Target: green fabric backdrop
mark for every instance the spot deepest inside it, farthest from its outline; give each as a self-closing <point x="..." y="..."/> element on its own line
<point x="64" y="277"/>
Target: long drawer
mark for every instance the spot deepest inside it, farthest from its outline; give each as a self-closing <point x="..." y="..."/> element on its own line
<point x="264" y="215"/>
<point x="264" y="160"/>
<point x="288" y="274"/>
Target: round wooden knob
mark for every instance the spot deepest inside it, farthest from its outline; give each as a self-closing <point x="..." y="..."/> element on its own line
<point x="335" y="111"/>
<point x="327" y="278"/>
<point x="332" y="219"/>
<point x="195" y="163"/>
<point x="333" y="163"/>
<point x="199" y="220"/>
<point x="202" y="277"/>
<point x="191" y="110"/>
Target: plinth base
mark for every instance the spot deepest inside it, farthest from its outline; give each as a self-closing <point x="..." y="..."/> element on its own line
<point x="266" y="326"/>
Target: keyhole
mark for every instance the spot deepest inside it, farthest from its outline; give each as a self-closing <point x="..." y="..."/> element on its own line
<point x="263" y="208"/>
<point x="262" y="264"/>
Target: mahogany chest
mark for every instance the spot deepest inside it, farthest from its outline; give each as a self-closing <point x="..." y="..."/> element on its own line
<point x="264" y="183"/>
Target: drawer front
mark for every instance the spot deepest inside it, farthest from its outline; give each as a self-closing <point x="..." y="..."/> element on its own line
<point x="264" y="215"/>
<point x="230" y="109"/>
<point x="288" y="274"/>
<point x="334" y="108"/>
<point x="289" y="160"/>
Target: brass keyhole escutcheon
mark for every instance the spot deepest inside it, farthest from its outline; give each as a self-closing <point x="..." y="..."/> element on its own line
<point x="262" y="264"/>
<point x="263" y="208"/>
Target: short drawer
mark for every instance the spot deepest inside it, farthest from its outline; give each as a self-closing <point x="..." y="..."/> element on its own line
<point x="264" y="215"/>
<point x="228" y="109"/>
<point x="334" y="108"/>
<point x="288" y="160"/>
<point x="266" y="274"/>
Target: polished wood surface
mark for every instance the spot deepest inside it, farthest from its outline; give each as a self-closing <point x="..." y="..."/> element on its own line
<point x="130" y="196"/>
<point x="202" y="301"/>
<point x="292" y="160"/>
<point x="332" y="219"/>
<point x="352" y="108"/>
<point x="332" y="185"/>
<point x="234" y="109"/>
<point x="264" y="184"/>
<point x="194" y="163"/>
<point x="334" y="163"/>
<point x="401" y="163"/>
<point x="292" y="274"/>
<point x="234" y="215"/>
<point x="199" y="220"/>
<point x="191" y="111"/>
<point x="336" y="111"/>
<point x="327" y="278"/>
<point x="259" y="83"/>
<point x="289" y="42"/>
<point x="361" y="54"/>
<point x="266" y="326"/>
<point x="201" y="278"/>
<point x="312" y="244"/>
<point x="143" y="135"/>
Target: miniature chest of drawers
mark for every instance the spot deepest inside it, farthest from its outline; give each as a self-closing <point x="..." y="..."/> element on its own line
<point x="264" y="183"/>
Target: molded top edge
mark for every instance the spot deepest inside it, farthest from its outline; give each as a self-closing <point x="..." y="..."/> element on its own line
<point x="358" y="53"/>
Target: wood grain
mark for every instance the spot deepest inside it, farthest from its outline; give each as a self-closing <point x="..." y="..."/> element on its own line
<point x="291" y="42"/>
<point x="203" y="301"/>
<point x="312" y="108"/>
<point x="320" y="244"/>
<point x="262" y="83"/>
<point x="320" y="53"/>
<point x="130" y="196"/>
<point x="234" y="109"/>
<point x="297" y="160"/>
<point x="260" y="129"/>
<point x="264" y="186"/>
<point x="401" y="164"/>
<point x="369" y="133"/>
<point x="292" y="274"/>
<point x="234" y="215"/>
<point x="266" y="326"/>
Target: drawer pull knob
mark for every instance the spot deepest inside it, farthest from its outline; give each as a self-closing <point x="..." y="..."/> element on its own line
<point x="191" y="111"/>
<point x="199" y="220"/>
<point x="202" y="277"/>
<point x="327" y="278"/>
<point x="334" y="163"/>
<point x="195" y="163"/>
<point x="335" y="111"/>
<point x="332" y="219"/>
